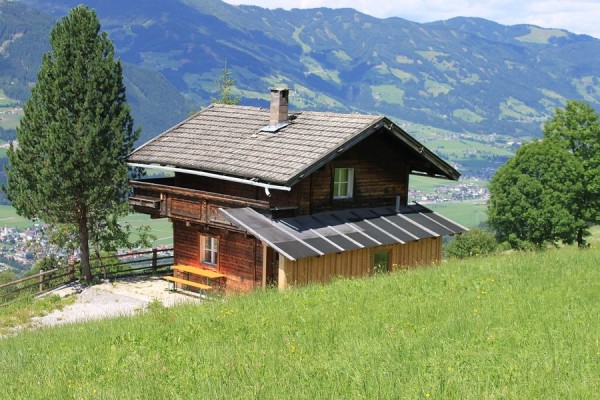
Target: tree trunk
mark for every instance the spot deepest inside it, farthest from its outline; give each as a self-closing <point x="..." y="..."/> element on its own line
<point x="84" y="247"/>
<point x="580" y="240"/>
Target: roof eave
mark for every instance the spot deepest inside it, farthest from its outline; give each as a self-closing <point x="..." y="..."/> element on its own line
<point x="444" y="170"/>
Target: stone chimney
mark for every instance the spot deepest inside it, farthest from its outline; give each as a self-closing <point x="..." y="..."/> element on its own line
<point x="279" y="106"/>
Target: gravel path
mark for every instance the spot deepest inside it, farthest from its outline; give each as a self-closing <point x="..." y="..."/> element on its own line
<point x="111" y="299"/>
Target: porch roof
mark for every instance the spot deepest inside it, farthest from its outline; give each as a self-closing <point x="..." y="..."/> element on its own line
<point x="338" y="231"/>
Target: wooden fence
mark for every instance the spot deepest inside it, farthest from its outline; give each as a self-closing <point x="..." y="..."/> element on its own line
<point x="38" y="283"/>
<point x="128" y="264"/>
<point x="133" y="263"/>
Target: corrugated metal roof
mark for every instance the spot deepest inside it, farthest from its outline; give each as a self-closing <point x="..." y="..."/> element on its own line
<point x="336" y="231"/>
<point x="227" y="139"/>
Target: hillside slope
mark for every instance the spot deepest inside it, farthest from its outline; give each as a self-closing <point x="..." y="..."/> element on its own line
<point x="512" y="326"/>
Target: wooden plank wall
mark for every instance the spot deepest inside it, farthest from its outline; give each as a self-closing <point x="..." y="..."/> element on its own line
<point x="240" y="256"/>
<point x="358" y="263"/>
<point x="186" y="245"/>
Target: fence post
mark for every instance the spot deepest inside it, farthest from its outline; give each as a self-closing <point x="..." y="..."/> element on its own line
<point x="41" y="279"/>
<point x="71" y="266"/>
<point x="154" y="259"/>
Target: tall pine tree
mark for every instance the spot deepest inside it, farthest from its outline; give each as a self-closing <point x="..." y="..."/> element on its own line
<point x="68" y="166"/>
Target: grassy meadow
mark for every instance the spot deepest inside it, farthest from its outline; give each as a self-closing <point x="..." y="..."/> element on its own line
<point x="512" y="326"/>
<point x="466" y="213"/>
<point x="10" y="218"/>
<point x="161" y="228"/>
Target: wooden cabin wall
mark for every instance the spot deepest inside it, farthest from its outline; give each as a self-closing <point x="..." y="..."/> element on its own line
<point x="358" y="263"/>
<point x="240" y="256"/>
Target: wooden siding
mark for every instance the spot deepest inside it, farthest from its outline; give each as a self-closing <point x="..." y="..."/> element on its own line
<point x="358" y="263"/>
<point x="239" y="255"/>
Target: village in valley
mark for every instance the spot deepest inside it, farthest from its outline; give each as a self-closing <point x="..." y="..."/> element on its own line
<point x="19" y="248"/>
<point x="451" y="193"/>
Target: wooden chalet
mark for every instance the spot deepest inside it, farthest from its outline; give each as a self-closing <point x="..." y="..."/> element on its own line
<point x="268" y="197"/>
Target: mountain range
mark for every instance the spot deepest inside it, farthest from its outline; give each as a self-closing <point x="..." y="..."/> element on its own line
<point x="465" y="75"/>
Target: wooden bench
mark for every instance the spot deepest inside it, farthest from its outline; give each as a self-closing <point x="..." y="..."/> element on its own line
<point x="188" y="283"/>
<point x="189" y="270"/>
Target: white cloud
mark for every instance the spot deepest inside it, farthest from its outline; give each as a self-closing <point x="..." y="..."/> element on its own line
<point x="577" y="16"/>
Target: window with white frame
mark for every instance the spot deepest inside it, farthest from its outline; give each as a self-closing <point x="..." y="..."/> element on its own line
<point x="343" y="182"/>
<point x="209" y="250"/>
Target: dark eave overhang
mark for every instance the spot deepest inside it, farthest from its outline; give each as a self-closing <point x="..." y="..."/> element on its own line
<point x="441" y="169"/>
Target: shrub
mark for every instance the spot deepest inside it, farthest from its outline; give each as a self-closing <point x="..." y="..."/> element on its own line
<point x="475" y="242"/>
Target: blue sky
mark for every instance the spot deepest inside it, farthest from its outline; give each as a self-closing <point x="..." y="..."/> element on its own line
<point x="577" y="16"/>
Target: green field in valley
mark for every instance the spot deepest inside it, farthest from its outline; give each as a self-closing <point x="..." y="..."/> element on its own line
<point x="10" y="113"/>
<point x="466" y="213"/>
<point x="10" y="218"/>
<point x="161" y="228"/>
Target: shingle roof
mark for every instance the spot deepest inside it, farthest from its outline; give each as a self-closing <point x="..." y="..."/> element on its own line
<point x="337" y="231"/>
<point x="227" y="139"/>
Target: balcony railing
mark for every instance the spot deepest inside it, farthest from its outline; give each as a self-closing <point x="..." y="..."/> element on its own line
<point x="162" y="198"/>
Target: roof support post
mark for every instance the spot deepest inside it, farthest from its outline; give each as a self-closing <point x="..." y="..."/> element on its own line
<point x="264" y="265"/>
<point x="282" y="275"/>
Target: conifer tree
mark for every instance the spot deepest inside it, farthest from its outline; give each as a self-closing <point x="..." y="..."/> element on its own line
<point x="68" y="166"/>
<point x="226" y="83"/>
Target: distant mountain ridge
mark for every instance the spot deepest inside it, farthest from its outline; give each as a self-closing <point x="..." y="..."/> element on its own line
<point x="464" y="74"/>
<point x="24" y="35"/>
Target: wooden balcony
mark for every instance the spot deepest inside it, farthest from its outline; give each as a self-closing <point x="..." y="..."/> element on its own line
<point x="162" y="198"/>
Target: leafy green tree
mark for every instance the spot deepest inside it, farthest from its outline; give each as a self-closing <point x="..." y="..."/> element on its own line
<point x="68" y="167"/>
<point x="535" y="196"/>
<point x="473" y="243"/>
<point x="577" y="129"/>
<point x="226" y="84"/>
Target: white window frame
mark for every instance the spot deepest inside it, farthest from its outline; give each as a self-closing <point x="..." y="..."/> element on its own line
<point x="209" y="244"/>
<point x="349" y="182"/>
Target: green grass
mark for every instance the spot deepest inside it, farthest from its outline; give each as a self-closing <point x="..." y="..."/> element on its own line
<point x="515" y="326"/>
<point x="9" y="217"/>
<point x="466" y="213"/>
<point x="388" y="94"/>
<point x="161" y="228"/>
<point x="541" y="35"/>
<point x="427" y="184"/>
<point x="460" y="147"/>
<point x="516" y="109"/>
<point x="467" y="115"/>
<point x="21" y="311"/>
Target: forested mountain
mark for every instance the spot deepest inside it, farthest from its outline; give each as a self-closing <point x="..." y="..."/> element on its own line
<point x="24" y="35"/>
<point x="464" y="74"/>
